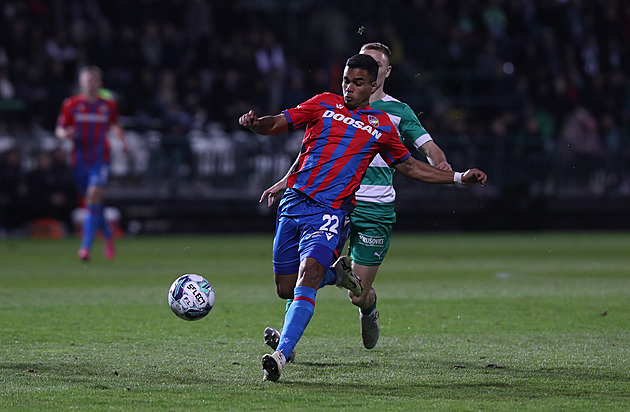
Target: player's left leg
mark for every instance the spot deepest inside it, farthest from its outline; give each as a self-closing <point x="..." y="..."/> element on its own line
<point x="368" y="245"/>
<point x="81" y="176"/>
<point x="301" y="310"/>
<point x="98" y="177"/>
<point x="339" y="274"/>
<point x="317" y="252"/>
<point x="92" y="223"/>
<point x="296" y="318"/>
<point x="103" y="224"/>
<point x="108" y="236"/>
<point x="368" y="315"/>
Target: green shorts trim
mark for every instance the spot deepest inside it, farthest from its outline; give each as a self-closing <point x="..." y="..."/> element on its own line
<point x="370" y="235"/>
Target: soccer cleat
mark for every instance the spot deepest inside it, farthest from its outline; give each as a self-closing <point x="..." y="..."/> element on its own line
<point x="369" y="328"/>
<point x="272" y="366"/>
<point x="272" y="339"/>
<point x="110" y="250"/>
<point x="84" y="254"/>
<point x="350" y="281"/>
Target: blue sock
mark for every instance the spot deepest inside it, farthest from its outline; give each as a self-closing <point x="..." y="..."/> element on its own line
<point x="91" y="224"/>
<point x="104" y="226"/>
<point x="330" y="278"/>
<point x="297" y="318"/>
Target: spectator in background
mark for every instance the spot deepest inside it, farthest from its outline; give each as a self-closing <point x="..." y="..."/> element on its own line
<point x="579" y="136"/>
<point x="560" y="55"/>
<point x="51" y="190"/>
<point x="33" y="90"/>
<point x="580" y="145"/>
<point x="7" y="90"/>
<point x="272" y="67"/>
<point x="60" y="49"/>
<point x="13" y="191"/>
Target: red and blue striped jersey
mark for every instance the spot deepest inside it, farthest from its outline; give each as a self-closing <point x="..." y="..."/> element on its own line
<point x="92" y="121"/>
<point x="338" y="146"/>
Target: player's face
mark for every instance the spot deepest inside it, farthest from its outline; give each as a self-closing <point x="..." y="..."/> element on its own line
<point x="384" y="69"/>
<point x="357" y="88"/>
<point x="90" y="82"/>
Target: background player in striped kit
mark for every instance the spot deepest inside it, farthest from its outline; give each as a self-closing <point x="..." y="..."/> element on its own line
<point x="86" y="119"/>
<point x="373" y="219"/>
<point x="343" y="135"/>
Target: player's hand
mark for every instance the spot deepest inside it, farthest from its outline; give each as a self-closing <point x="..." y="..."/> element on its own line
<point x="69" y="132"/>
<point x="249" y="120"/>
<point x="472" y="176"/>
<point x="272" y="193"/>
<point x="444" y="166"/>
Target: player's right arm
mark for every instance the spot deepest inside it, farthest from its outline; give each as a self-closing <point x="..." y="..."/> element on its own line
<point x="272" y="193"/>
<point x="435" y="156"/>
<point x="414" y="132"/>
<point x="417" y="170"/>
<point x="264" y="125"/>
<point x="65" y="128"/>
<point x="67" y="132"/>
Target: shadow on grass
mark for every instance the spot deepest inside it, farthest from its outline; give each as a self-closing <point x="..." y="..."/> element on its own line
<point x="458" y="380"/>
<point x="94" y="376"/>
<point x="372" y="378"/>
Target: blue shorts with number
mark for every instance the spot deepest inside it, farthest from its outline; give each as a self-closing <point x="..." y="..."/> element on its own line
<point x="306" y="229"/>
<point x="96" y="175"/>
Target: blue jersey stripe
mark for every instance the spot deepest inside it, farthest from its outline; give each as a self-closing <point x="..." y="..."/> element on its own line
<point x="90" y="150"/>
<point x="338" y="146"/>
<point x="324" y="167"/>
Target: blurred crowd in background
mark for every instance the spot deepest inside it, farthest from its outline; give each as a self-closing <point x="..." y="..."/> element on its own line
<point x="491" y="80"/>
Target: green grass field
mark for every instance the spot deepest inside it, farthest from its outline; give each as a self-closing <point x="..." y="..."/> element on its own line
<point x="531" y="321"/>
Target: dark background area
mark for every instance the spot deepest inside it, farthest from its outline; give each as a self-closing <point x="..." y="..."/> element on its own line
<point x="535" y="93"/>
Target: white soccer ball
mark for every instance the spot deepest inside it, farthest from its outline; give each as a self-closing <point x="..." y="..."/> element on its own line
<point x="191" y="297"/>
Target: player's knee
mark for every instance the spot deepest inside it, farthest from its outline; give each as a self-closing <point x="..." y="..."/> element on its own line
<point x="311" y="273"/>
<point x="285" y="287"/>
<point x="283" y="292"/>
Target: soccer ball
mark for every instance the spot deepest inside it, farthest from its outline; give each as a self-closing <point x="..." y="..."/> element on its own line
<point x="191" y="297"/>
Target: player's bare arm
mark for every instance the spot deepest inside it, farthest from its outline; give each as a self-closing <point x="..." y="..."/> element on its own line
<point x="65" y="132"/>
<point x="417" y="170"/>
<point x="272" y="193"/>
<point x="435" y="155"/>
<point x="264" y="125"/>
<point x="120" y="134"/>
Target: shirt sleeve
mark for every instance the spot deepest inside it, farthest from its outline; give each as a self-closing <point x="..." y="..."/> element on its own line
<point x="65" y="115"/>
<point x="303" y="112"/>
<point x="411" y="129"/>
<point x="394" y="151"/>
<point x="113" y="118"/>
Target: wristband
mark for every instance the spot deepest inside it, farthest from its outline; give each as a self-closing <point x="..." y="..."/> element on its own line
<point x="457" y="177"/>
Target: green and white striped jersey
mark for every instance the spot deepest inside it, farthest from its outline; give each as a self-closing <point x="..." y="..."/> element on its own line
<point x="377" y="185"/>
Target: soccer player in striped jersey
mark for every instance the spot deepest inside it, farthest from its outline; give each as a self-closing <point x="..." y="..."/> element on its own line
<point x="373" y="218"/>
<point x="86" y="119"/>
<point x="343" y="135"/>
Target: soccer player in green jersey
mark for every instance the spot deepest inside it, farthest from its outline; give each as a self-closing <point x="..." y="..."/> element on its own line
<point x="374" y="216"/>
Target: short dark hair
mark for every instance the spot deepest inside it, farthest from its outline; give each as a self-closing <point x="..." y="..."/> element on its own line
<point x="365" y="62"/>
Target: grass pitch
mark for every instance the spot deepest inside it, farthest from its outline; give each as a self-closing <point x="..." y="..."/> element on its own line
<point x="533" y="321"/>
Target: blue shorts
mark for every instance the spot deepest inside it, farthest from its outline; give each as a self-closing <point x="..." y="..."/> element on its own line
<point x="307" y="229"/>
<point x="96" y="175"/>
